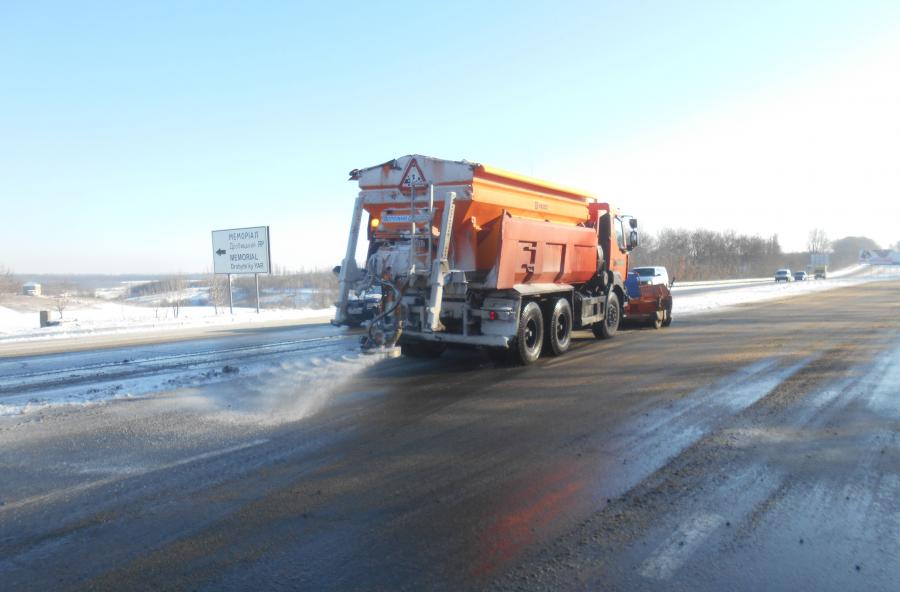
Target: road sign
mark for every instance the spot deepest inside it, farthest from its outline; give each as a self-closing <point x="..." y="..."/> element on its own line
<point x="241" y="250"/>
<point x="413" y="177"/>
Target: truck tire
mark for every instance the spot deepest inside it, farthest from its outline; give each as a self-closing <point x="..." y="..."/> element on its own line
<point x="606" y="329"/>
<point x="559" y="328"/>
<point x="529" y="335"/>
<point x="668" y="318"/>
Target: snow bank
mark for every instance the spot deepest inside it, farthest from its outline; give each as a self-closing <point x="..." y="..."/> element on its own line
<point x="109" y="318"/>
<point x="859" y="267"/>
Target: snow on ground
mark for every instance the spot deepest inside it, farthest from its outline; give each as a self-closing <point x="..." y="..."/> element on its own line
<point x="853" y="269"/>
<point x="109" y="318"/>
<point x="692" y="301"/>
<point x="269" y="390"/>
<point x="192" y="295"/>
<point x="119" y="290"/>
<point x="12" y="321"/>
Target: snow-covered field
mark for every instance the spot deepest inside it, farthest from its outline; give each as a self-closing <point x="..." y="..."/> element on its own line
<point x="118" y="291"/>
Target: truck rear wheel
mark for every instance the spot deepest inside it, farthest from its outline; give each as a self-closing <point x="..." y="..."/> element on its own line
<point x="606" y="329"/>
<point x="668" y="319"/>
<point x="559" y="329"/>
<point x="529" y="335"/>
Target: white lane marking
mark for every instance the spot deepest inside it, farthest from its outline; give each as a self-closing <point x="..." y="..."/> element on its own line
<point x="211" y="454"/>
<point x="58" y="494"/>
<point x="81" y="487"/>
<point x="672" y="554"/>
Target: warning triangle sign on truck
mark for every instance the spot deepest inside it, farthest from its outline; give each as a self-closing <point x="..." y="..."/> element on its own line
<point x="413" y="177"/>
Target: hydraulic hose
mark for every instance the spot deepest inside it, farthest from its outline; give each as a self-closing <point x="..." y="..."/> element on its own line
<point x="398" y="296"/>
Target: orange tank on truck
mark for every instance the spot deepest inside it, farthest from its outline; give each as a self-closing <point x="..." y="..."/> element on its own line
<point x="471" y="255"/>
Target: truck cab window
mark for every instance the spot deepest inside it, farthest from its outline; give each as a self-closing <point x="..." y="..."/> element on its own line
<point x="620" y="234"/>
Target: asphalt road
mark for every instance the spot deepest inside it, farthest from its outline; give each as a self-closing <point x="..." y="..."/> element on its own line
<point x="750" y="449"/>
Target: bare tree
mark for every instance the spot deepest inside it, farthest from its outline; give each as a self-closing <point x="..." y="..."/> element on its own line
<point x="177" y="284"/>
<point x="63" y="292"/>
<point x="817" y="242"/>
<point x="703" y="254"/>
<point x="62" y="301"/>
<point x="217" y="291"/>
<point x="8" y="281"/>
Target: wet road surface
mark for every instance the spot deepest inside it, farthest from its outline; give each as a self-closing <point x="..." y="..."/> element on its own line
<point x="99" y="374"/>
<point x="750" y="449"/>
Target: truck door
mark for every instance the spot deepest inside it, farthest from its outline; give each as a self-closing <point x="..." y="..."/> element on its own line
<point x="618" y="257"/>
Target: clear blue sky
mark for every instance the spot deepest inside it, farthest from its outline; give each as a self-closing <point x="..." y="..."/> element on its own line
<point x="130" y="130"/>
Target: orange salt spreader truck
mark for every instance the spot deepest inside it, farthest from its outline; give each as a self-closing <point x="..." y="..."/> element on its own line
<point x="468" y="254"/>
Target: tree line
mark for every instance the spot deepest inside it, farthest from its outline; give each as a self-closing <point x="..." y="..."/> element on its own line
<point x="700" y="254"/>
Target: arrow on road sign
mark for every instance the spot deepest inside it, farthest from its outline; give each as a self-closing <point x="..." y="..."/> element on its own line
<point x="220" y="252"/>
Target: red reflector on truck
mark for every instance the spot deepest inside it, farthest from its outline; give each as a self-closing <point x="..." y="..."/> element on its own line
<point x="492" y="315"/>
